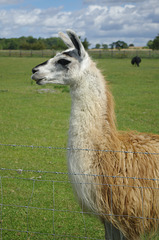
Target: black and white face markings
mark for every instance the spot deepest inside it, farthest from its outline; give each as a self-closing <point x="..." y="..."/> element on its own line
<point x="62" y="67"/>
<point x="64" y="62"/>
<point x="35" y="69"/>
<point x="72" y="53"/>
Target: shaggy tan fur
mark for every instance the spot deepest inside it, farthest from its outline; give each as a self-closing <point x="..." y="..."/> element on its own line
<point x="131" y="199"/>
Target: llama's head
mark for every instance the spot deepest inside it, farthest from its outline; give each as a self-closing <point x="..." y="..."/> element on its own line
<point x="65" y="67"/>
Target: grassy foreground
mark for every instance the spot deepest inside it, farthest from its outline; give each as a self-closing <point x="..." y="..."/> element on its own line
<point x="40" y="205"/>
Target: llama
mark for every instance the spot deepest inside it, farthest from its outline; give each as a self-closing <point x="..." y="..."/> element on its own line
<point x="136" y="60"/>
<point x="120" y="187"/>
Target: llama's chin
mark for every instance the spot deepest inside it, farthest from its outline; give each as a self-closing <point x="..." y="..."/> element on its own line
<point x="40" y="82"/>
<point x="44" y="81"/>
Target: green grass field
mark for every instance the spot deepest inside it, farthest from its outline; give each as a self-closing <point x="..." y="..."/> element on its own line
<point x="39" y="116"/>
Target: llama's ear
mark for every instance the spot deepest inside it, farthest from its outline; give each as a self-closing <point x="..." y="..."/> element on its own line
<point x="66" y="40"/>
<point x="76" y="42"/>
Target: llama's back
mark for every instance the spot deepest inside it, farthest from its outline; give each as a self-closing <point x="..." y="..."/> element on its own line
<point x="142" y="159"/>
<point x="130" y="193"/>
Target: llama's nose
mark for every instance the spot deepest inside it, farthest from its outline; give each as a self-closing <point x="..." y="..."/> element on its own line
<point x="34" y="70"/>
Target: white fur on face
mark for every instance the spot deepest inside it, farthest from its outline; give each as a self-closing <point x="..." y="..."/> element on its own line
<point x="65" y="67"/>
<point x="62" y="69"/>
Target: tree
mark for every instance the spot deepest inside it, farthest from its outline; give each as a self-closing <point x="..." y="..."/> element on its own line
<point x="31" y="40"/>
<point x="39" y="45"/>
<point x="111" y="45"/>
<point x="119" y="45"/>
<point x="150" y="44"/>
<point x="49" y="42"/>
<point x="86" y="44"/>
<point x="57" y="43"/>
<point x="25" y="46"/>
<point x="13" y="44"/>
<point x="104" y="46"/>
<point x="97" y="46"/>
<point x="155" y="45"/>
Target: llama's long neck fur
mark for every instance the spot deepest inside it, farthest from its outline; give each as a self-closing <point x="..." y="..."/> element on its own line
<point x="92" y="111"/>
<point x="92" y="119"/>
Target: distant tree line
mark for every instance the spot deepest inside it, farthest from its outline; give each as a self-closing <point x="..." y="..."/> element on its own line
<point x="154" y="44"/>
<point x="31" y="43"/>
<point x="118" y="45"/>
<point x="28" y="43"/>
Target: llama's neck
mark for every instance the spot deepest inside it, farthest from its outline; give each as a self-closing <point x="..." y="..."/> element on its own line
<point x="91" y="127"/>
<point x="90" y="122"/>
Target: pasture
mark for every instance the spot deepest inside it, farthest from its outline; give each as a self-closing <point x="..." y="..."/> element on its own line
<point x="37" y="201"/>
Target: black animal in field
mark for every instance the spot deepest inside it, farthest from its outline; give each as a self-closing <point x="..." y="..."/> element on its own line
<point x="136" y="61"/>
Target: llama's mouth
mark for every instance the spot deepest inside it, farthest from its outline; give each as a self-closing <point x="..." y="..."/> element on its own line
<point x="40" y="81"/>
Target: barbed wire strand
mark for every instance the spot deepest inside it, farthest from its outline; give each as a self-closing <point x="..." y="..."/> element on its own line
<point x="77" y="149"/>
<point x="20" y="171"/>
<point x="81" y="212"/>
<point x="87" y="183"/>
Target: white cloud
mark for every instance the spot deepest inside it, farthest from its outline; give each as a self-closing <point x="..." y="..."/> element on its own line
<point x="132" y="23"/>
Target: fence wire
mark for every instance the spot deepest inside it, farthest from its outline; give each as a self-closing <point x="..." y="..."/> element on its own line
<point x="39" y="208"/>
<point x="79" y="149"/>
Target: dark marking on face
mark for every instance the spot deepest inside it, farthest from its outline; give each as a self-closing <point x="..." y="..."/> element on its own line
<point x="63" y="62"/>
<point x="41" y="64"/>
<point x="68" y="53"/>
<point x="73" y="53"/>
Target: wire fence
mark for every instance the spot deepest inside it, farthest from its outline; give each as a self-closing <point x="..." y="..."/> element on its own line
<point x="39" y="204"/>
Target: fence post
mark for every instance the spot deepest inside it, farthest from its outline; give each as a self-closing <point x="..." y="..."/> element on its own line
<point x="112" y="53"/>
<point x="149" y="53"/>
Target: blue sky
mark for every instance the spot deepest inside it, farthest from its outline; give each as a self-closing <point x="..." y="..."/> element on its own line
<point x="67" y="5"/>
<point x="100" y="21"/>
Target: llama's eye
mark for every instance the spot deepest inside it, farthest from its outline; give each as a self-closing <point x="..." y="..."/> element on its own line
<point x="63" y="62"/>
